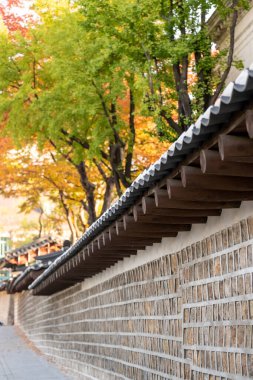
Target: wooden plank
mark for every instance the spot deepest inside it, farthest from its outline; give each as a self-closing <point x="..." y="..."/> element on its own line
<point x="193" y="177"/>
<point x="235" y="148"/>
<point x="116" y="255"/>
<point x="176" y="191"/>
<point x="171" y="219"/>
<point x="158" y="212"/>
<point x="112" y="248"/>
<point x="211" y="163"/>
<point x="114" y="251"/>
<point x="249" y="123"/>
<point x="128" y="235"/>
<point x="152" y="228"/>
<point x="135" y="241"/>
<point x="149" y="205"/>
<point x="156" y="220"/>
<point x="108" y="245"/>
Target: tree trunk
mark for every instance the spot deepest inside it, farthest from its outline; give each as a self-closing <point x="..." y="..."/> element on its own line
<point x="89" y="189"/>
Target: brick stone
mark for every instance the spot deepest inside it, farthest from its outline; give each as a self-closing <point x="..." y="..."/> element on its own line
<point x="238" y="364"/>
<point x="236" y="260"/>
<point x="248" y="336"/>
<point x="224" y="264"/>
<point x="217" y="266"/>
<point x="221" y="289"/>
<point x="213" y="243"/>
<point x="227" y="336"/>
<point x="230" y="262"/>
<point x="216" y="287"/>
<point x="249" y="256"/>
<point x="218" y="361"/>
<point x="204" y="247"/>
<point x="240" y="285"/>
<point x="250" y="365"/>
<point x="210" y="291"/>
<point x="238" y="310"/>
<point x="248" y="283"/>
<point x="244" y="230"/>
<point x="251" y="309"/>
<point x="244" y="365"/>
<point x="233" y="336"/>
<point x="240" y="336"/>
<point x="245" y="309"/>
<point x="224" y="362"/>
<point x="232" y="311"/>
<point x="243" y="257"/>
<point x="237" y="233"/>
<point x="250" y="226"/>
<point x="234" y="286"/>
<point x="211" y="267"/>
<point x="224" y="234"/>
<point x="227" y="287"/>
<point x="189" y="336"/>
<point x="231" y="358"/>
<point x="198" y="250"/>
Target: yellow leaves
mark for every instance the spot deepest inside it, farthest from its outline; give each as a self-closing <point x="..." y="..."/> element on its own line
<point x="3" y="28"/>
<point x="148" y="146"/>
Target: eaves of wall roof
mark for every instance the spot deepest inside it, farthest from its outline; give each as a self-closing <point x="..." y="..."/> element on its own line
<point x="236" y="97"/>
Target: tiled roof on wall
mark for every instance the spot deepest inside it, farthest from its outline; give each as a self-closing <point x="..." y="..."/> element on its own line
<point x="27" y="247"/>
<point x="235" y="98"/>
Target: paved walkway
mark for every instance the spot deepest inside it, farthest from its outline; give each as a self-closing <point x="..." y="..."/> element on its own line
<point x="19" y="362"/>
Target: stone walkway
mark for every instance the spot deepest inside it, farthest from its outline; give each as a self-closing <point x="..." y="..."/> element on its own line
<point x="19" y="362"/>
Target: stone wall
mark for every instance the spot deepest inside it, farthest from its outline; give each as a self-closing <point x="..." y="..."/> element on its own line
<point x="6" y="308"/>
<point x="185" y="315"/>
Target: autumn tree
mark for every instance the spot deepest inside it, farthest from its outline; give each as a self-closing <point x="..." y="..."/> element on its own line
<point x="17" y="15"/>
<point x="93" y="80"/>
<point x="68" y="89"/>
<point x="35" y="178"/>
<point x="169" y="43"/>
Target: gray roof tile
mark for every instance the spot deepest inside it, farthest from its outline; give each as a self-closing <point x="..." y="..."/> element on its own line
<point x="231" y="100"/>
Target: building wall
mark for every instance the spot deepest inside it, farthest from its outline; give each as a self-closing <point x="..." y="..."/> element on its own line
<point x="243" y="47"/>
<point x="181" y="309"/>
<point x="243" y="42"/>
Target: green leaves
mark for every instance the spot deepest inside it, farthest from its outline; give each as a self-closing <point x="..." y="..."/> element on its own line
<point x="92" y="76"/>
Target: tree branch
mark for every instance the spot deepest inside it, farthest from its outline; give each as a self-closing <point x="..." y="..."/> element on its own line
<point x="171" y="122"/>
<point x="108" y="194"/>
<point x="100" y="169"/>
<point x="131" y="140"/>
<point x="89" y="189"/>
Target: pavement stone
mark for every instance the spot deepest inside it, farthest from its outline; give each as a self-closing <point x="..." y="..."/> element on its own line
<point x="19" y="362"/>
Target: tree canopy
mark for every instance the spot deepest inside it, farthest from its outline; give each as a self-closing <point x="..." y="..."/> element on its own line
<point x="103" y="87"/>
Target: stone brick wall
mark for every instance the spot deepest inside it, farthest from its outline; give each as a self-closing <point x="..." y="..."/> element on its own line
<point x="185" y="315"/>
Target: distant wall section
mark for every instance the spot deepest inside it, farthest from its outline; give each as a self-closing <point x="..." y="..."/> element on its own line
<point x="6" y="308"/>
<point x="182" y="314"/>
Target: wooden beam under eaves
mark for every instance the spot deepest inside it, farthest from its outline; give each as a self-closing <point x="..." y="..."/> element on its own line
<point x="176" y="191"/>
<point x="151" y="228"/>
<point x="149" y="204"/>
<point x="249" y="123"/>
<point x="135" y="241"/>
<point x="159" y="219"/>
<point x="235" y="148"/>
<point x="211" y="163"/>
<point x="193" y="177"/>
<point x="138" y="212"/>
